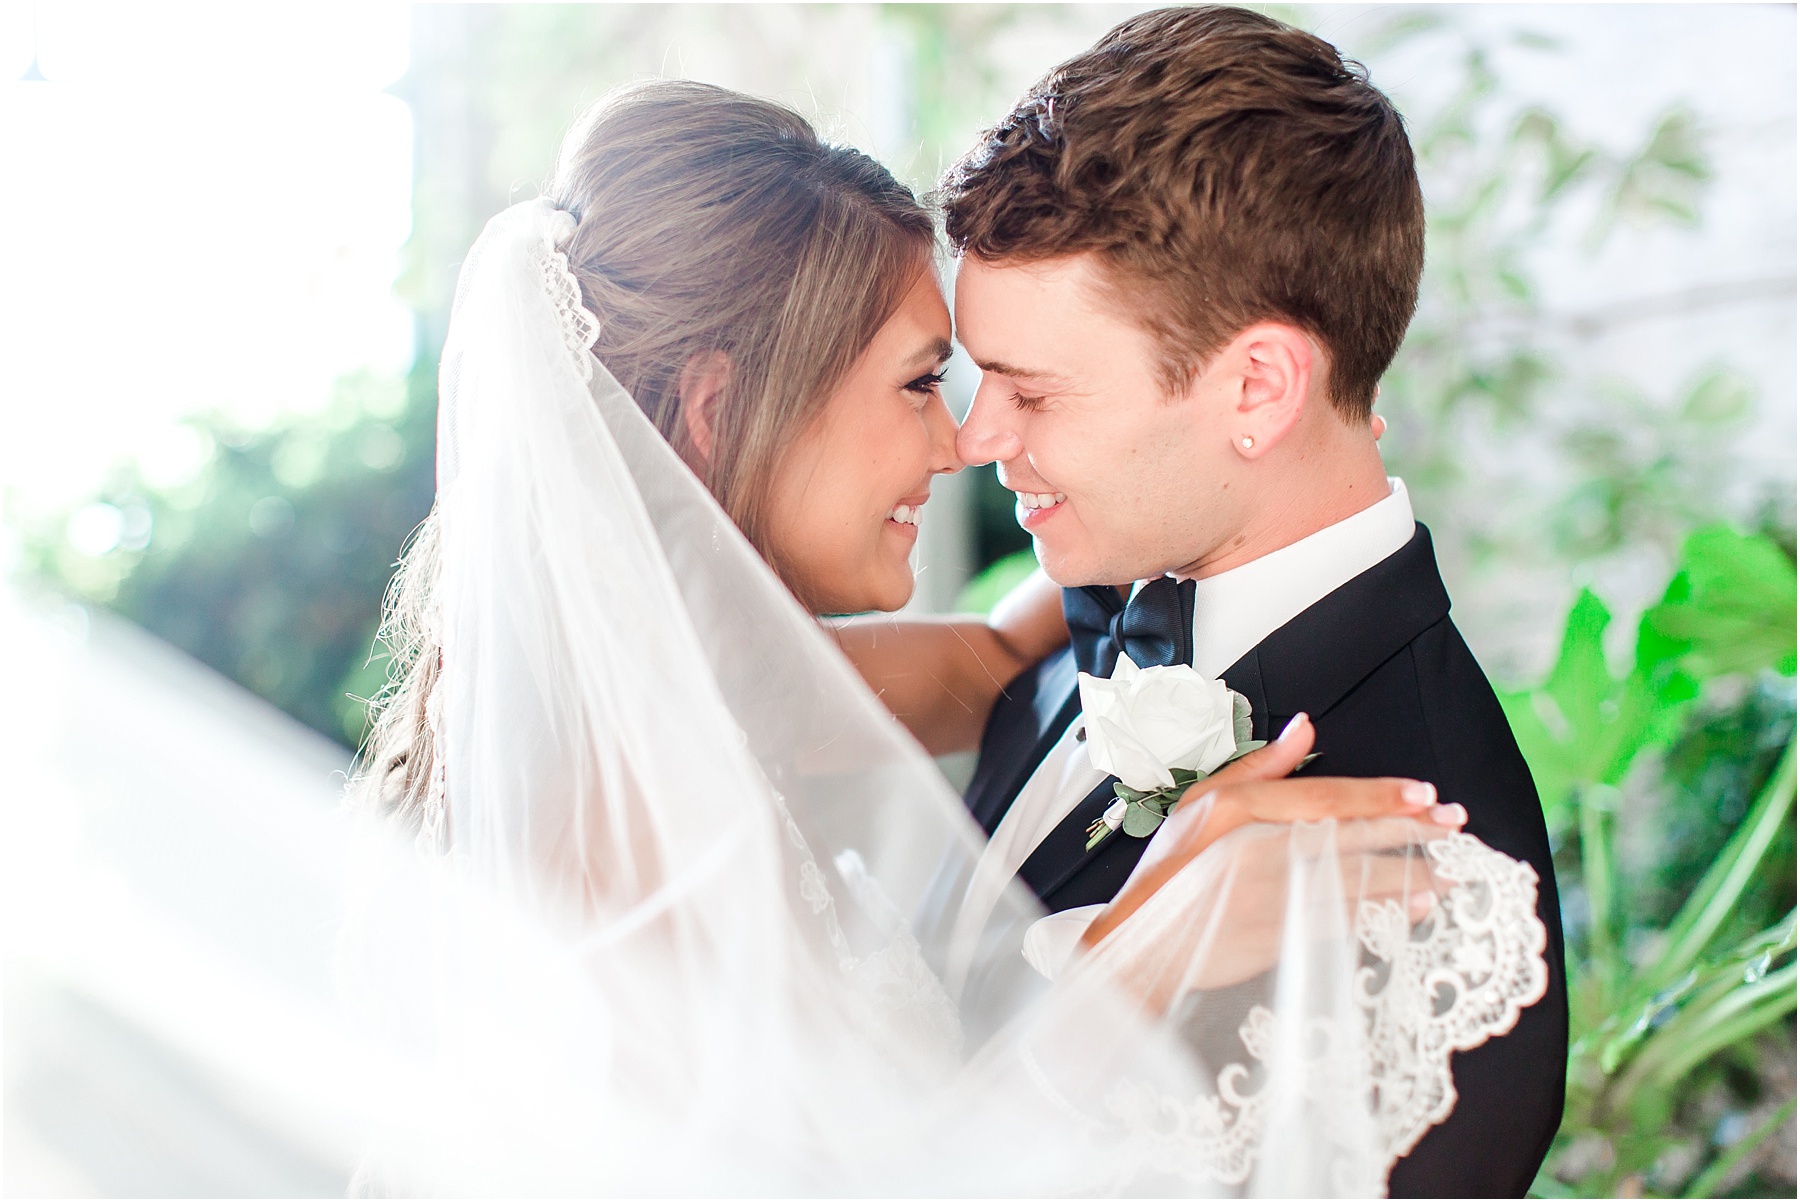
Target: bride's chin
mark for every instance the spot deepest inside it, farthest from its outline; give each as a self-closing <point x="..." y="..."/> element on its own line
<point x="891" y="593"/>
<point x="883" y="591"/>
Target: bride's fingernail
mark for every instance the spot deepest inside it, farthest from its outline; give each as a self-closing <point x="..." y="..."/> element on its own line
<point x="1419" y="793"/>
<point x="1450" y="815"/>
<point x="1294" y="724"/>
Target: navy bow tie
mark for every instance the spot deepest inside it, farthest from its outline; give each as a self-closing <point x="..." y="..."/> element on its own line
<point x="1157" y="628"/>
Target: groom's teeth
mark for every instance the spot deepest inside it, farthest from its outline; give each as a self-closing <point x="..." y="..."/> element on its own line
<point x="906" y="513"/>
<point x="1041" y="500"/>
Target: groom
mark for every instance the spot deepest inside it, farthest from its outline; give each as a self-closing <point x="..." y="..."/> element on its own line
<point x="1187" y="256"/>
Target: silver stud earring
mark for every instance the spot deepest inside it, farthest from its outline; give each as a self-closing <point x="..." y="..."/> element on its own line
<point x="1246" y="442"/>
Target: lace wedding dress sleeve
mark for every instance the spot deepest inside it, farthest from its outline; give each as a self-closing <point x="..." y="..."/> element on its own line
<point x="687" y="926"/>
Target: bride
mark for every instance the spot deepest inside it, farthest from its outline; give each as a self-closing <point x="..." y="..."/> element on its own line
<point x="700" y="915"/>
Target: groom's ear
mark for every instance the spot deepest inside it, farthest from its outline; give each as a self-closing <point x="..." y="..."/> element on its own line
<point x="1271" y="366"/>
<point x="704" y="382"/>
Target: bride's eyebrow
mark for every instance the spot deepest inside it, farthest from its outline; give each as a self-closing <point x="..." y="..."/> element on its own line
<point x="931" y="354"/>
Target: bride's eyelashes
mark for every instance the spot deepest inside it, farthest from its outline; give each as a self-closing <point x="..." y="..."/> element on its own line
<point x="1029" y="404"/>
<point x="925" y="387"/>
<point x="925" y="383"/>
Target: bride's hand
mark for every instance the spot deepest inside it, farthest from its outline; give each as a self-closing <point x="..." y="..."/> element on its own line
<point x="1256" y="788"/>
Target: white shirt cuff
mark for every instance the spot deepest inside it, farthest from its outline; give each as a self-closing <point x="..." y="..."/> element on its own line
<point x="1051" y="942"/>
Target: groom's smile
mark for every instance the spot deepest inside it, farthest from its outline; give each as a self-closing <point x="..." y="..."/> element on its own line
<point x="1109" y="469"/>
<point x="1035" y="508"/>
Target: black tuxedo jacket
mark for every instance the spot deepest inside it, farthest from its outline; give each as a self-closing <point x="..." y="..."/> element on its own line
<point x="1392" y="691"/>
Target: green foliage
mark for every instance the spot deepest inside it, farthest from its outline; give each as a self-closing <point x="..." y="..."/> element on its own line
<point x="1665" y="1012"/>
<point x="1711" y="775"/>
<point x="1729" y="609"/>
<point x="1487" y="360"/>
<point x="981" y="594"/>
<point x="269" y="565"/>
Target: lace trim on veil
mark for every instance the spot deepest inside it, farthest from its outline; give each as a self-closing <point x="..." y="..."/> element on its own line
<point x="580" y="328"/>
<point x="1445" y="984"/>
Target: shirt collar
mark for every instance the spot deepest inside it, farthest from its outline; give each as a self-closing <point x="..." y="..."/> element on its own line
<point x="1237" y="609"/>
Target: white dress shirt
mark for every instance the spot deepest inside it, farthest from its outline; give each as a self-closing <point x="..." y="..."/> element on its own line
<point x="1233" y="612"/>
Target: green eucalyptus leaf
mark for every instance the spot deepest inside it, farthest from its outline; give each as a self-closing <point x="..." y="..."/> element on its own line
<point x="1244" y="748"/>
<point x="1141" y="821"/>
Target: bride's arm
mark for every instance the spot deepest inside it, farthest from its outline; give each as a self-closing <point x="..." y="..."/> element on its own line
<point x="940" y="674"/>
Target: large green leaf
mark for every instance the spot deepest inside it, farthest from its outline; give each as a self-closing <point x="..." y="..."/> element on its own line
<point x="1729" y="609"/>
<point x="1560" y="726"/>
<point x="1584" y="726"/>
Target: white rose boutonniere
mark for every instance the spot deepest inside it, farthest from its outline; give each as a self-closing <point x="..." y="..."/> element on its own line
<point x="1158" y="730"/>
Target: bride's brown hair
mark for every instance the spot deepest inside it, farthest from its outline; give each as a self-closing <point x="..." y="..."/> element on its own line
<point x="715" y="230"/>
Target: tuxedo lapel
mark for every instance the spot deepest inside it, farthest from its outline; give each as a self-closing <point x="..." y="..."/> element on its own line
<point x="1313" y="662"/>
<point x="1245" y="677"/>
<point x="1030" y="716"/>
<point x="1064" y="851"/>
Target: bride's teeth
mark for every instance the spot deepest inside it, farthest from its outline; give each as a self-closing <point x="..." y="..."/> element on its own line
<point x="1041" y="500"/>
<point x="906" y="513"/>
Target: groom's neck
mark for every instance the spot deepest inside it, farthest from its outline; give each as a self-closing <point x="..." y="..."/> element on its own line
<point x="1294" y="492"/>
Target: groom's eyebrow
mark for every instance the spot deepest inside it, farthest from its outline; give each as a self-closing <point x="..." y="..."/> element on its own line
<point x="1036" y="374"/>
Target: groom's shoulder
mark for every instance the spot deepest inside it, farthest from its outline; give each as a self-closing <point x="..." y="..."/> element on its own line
<point x="1382" y="656"/>
<point x="1401" y="610"/>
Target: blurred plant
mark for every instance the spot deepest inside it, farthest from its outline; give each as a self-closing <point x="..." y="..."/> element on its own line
<point x="993" y="582"/>
<point x="1663" y="1014"/>
<point x="1498" y="186"/>
<point x="269" y="564"/>
<point x="1489" y="396"/>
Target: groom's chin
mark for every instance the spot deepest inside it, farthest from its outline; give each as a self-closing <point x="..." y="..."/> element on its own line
<point x="1068" y="566"/>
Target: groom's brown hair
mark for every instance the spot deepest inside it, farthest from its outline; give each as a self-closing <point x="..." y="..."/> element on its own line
<point x="1227" y="169"/>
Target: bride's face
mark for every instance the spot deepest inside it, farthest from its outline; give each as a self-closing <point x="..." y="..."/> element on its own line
<point x="845" y="504"/>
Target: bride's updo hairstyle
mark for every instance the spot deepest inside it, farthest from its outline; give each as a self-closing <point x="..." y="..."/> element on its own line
<point x="714" y="230"/>
<point x="715" y="227"/>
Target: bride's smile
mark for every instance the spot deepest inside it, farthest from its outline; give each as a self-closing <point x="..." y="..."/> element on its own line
<point x="847" y="497"/>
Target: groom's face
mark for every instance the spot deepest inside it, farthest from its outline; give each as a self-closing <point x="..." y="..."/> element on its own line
<point x="1115" y="479"/>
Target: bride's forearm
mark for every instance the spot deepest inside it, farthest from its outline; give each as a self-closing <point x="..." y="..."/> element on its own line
<point x="940" y="675"/>
<point x="1029" y="619"/>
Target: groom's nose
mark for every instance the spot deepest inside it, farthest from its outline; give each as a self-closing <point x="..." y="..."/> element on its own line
<point x="989" y="432"/>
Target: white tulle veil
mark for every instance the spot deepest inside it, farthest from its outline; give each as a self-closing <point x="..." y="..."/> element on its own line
<point x="691" y="930"/>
